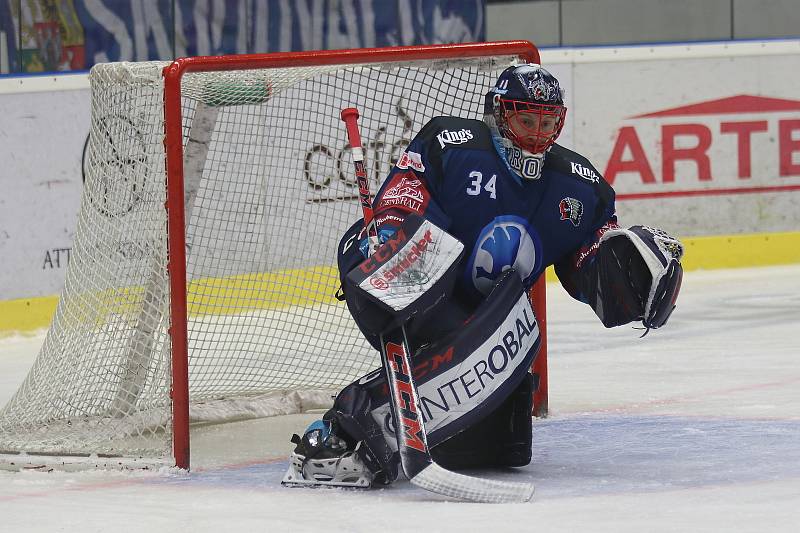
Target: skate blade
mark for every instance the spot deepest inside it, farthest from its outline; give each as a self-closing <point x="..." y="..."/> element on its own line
<point x="342" y="472"/>
<point x="290" y="480"/>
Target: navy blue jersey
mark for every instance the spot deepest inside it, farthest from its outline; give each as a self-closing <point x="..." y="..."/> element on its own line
<point x="453" y="173"/>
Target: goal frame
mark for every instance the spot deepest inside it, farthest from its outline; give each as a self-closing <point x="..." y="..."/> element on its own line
<point x="176" y="215"/>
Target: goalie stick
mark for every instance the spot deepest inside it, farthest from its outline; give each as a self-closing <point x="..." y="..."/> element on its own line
<point x="415" y="456"/>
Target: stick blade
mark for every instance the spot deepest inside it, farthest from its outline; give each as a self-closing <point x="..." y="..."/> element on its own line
<point x="436" y="479"/>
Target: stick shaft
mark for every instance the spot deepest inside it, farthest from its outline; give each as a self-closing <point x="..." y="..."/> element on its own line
<point x="350" y="118"/>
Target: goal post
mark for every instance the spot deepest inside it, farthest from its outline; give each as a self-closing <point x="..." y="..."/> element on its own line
<point x="202" y="275"/>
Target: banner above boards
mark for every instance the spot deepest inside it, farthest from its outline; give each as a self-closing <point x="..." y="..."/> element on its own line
<point x="42" y="37"/>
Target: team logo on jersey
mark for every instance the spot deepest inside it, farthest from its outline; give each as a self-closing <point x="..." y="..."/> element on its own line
<point x="454" y="137"/>
<point x="411" y="160"/>
<point x="506" y="242"/>
<point x="405" y="190"/>
<point x="572" y="210"/>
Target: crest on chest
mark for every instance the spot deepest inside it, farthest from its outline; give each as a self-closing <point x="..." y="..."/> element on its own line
<point x="506" y="242"/>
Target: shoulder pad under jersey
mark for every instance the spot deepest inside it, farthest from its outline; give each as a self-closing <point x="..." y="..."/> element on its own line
<point x="442" y="134"/>
<point x="453" y="133"/>
<point x="573" y="164"/>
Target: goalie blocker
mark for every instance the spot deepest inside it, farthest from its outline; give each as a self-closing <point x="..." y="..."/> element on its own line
<point x="473" y="381"/>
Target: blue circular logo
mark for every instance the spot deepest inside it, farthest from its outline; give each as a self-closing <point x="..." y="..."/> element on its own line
<point x="506" y="242"/>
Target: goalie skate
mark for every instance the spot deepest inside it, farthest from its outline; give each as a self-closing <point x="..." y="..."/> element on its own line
<point x="345" y="471"/>
<point x="321" y="459"/>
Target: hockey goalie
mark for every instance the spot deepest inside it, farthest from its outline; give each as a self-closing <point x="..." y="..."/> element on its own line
<point x="515" y="202"/>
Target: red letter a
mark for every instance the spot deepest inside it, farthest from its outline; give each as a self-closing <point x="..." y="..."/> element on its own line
<point x="627" y="138"/>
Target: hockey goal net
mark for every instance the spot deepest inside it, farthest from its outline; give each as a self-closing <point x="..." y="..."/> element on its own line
<point x="201" y="283"/>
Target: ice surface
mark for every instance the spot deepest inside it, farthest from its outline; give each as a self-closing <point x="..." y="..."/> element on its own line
<point x="695" y="427"/>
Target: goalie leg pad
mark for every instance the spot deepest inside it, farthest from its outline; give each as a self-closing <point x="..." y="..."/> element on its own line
<point x="503" y="438"/>
<point x="351" y="417"/>
<point x="475" y="373"/>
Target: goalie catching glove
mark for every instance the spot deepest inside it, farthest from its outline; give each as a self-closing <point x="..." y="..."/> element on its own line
<point x="638" y="276"/>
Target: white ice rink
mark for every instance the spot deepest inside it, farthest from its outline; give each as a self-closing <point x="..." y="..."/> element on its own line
<point x="695" y="427"/>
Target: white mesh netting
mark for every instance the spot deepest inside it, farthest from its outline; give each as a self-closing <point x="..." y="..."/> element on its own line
<point x="269" y="191"/>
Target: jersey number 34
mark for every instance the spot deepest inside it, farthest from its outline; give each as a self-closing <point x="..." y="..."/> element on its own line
<point x="474" y="188"/>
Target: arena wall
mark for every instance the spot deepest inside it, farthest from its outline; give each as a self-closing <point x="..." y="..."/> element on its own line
<point x="702" y="140"/>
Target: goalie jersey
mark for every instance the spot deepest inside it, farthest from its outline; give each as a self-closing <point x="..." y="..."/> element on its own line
<point x="456" y="174"/>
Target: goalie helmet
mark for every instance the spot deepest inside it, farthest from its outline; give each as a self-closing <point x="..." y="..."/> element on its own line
<point x="528" y="107"/>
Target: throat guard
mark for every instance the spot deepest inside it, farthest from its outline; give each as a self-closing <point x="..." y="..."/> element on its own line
<point x="525" y="164"/>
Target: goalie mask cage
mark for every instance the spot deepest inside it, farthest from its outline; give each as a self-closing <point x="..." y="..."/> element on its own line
<point x="201" y="282"/>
